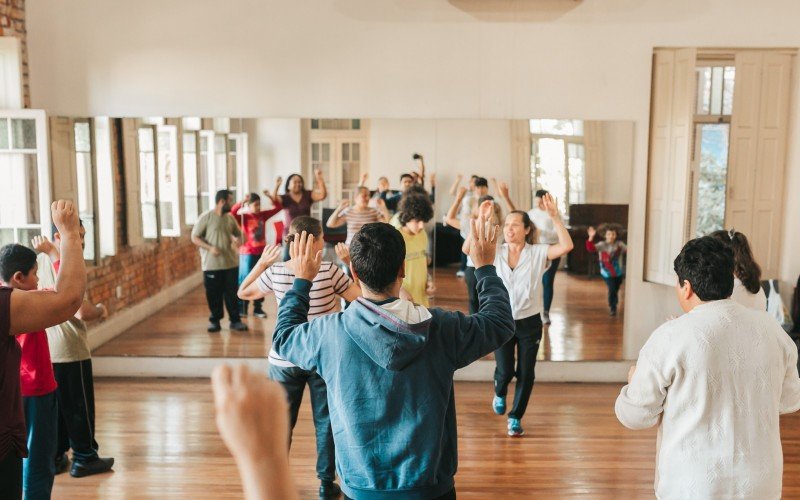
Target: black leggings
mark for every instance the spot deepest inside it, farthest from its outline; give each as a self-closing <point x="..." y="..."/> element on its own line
<point x="525" y="343"/>
<point x="11" y="475"/>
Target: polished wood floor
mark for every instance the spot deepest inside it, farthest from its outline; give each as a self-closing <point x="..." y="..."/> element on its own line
<point x="581" y="328"/>
<point x="164" y="439"/>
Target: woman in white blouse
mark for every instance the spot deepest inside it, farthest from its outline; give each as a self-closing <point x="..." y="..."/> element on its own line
<point x="521" y="264"/>
<point x="746" y="272"/>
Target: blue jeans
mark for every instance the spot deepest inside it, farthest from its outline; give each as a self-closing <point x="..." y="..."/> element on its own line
<point x="38" y="470"/>
<point x="613" y="285"/>
<point x="246" y="264"/>
<point x="547" y="283"/>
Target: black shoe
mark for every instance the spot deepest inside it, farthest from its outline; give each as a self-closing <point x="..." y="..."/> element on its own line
<point x="83" y="469"/>
<point x="62" y="464"/>
<point x="329" y="489"/>
<point x="259" y="313"/>
<point x="213" y="327"/>
<point x="239" y="326"/>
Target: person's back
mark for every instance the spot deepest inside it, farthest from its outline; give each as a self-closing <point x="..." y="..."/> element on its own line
<point x="389" y="371"/>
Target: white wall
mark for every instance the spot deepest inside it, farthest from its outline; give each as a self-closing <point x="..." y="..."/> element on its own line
<point x="412" y="59"/>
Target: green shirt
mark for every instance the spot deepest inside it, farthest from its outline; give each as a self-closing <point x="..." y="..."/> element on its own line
<point x="217" y="231"/>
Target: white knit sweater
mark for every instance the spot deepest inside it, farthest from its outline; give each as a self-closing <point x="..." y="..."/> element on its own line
<point x="715" y="381"/>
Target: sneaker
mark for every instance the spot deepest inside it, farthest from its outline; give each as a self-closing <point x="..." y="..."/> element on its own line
<point x="612" y="312"/>
<point x="213" y="326"/>
<point x="460" y="274"/>
<point x="97" y="466"/>
<point x="546" y="318"/>
<point x="259" y="313"/>
<point x="515" y="428"/>
<point x="239" y="326"/>
<point x="499" y="405"/>
<point x="329" y="489"/>
<point x="62" y="464"/>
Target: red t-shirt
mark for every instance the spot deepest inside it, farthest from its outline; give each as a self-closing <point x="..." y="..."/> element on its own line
<point x="254" y="228"/>
<point x="36" y="370"/>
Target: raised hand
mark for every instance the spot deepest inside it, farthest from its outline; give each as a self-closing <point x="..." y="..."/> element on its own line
<point x="270" y="255"/>
<point x="343" y="252"/>
<point x="433" y="179"/>
<point x="41" y="244"/>
<point x="65" y="217"/>
<point x="318" y="174"/>
<point x="591" y="232"/>
<point x="381" y="203"/>
<point x="364" y="178"/>
<point x="344" y="204"/>
<point x="482" y="241"/>
<point x="461" y="192"/>
<point x="503" y="189"/>
<point x="306" y="261"/>
<point x="550" y="206"/>
<point x="485" y="211"/>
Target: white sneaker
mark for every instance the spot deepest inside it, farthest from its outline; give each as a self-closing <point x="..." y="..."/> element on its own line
<point x="460" y="274"/>
<point x="546" y="318"/>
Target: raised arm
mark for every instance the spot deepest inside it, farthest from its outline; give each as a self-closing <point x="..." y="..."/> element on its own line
<point x="501" y="189"/>
<point x="454" y="187"/>
<point x="384" y="212"/>
<point x="320" y="190"/>
<point x="590" y="246"/>
<point x="337" y="219"/>
<point x="278" y="183"/>
<point x="451" y="219"/>
<point x="564" y="244"/>
<point x="36" y="310"/>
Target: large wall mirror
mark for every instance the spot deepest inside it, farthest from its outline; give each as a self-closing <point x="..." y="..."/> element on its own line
<point x="171" y="167"/>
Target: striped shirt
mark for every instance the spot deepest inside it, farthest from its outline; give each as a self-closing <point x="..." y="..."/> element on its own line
<point x="357" y="218"/>
<point x="329" y="282"/>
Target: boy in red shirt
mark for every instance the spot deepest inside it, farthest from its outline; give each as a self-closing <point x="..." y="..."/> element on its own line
<point x="253" y="221"/>
<point x="38" y="385"/>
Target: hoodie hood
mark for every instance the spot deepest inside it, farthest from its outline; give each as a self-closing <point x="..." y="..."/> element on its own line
<point x="392" y="335"/>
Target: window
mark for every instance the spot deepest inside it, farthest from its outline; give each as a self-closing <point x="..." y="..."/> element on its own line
<point x="190" y="181"/>
<point x="206" y="169"/>
<point x="233" y="181"/>
<point x="168" y="180"/>
<point x="147" y="178"/>
<point x="335" y="124"/>
<point x="21" y="206"/>
<point x="86" y="191"/>
<point x="558" y="160"/>
<point x="106" y="187"/>
<point x="220" y="163"/>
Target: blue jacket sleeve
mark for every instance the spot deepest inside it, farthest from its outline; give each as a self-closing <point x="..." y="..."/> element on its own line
<point x="295" y="339"/>
<point x="472" y="337"/>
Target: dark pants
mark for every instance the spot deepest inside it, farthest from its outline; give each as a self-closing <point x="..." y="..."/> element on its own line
<point x="547" y="283"/>
<point x="463" y="266"/>
<point x="613" y="285"/>
<point x="525" y="343"/>
<point x="472" y="289"/>
<point x="39" y="469"/>
<point x="450" y="495"/>
<point x="222" y="285"/>
<point x="246" y="264"/>
<point x="11" y="476"/>
<point x="75" y="395"/>
<point x="294" y="382"/>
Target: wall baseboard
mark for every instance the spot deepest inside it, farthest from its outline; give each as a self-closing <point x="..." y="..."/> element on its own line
<point x="121" y="322"/>
<point x="480" y="371"/>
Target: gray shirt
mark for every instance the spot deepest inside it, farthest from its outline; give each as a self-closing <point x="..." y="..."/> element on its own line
<point x="217" y="231"/>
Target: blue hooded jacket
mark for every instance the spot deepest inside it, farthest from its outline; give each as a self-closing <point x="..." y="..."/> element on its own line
<point x="390" y="384"/>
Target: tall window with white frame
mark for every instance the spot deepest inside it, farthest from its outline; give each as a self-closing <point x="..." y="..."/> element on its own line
<point x="86" y="189"/>
<point x="168" y="180"/>
<point x="148" y="181"/>
<point x="558" y="160"/>
<point x="712" y="127"/>
<point x="190" y="181"/>
<point x="19" y="206"/>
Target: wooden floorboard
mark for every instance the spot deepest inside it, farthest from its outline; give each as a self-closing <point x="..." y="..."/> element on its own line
<point x="581" y="329"/>
<point x="163" y="436"/>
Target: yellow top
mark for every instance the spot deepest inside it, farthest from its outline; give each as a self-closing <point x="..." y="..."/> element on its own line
<point x="416" y="278"/>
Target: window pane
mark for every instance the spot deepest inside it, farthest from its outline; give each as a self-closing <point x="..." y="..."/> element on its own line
<point x="189" y="143"/>
<point x="190" y="186"/>
<point x="23" y="133"/>
<point x="6" y="236"/>
<point x="716" y="90"/>
<point x="577" y="180"/>
<point x="83" y="140"/>
<point x="727" y="90"/>
<point x="20" y="205"/>
<point x="356" y="151"/>
<point x="712" y="184"/>
<point x="147" y="179"/>
<point x="83" y="163"/>
<point x="88" y="225"/>
<point x="146" y="140"/>
<point x="550" y="169"/>
<point x="703" y="90"/>
<point x="168" y="180"/>
<point x="4" y="144"/>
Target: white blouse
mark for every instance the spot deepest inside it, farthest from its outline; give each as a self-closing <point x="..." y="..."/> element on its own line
<point x="523" y="282"/>
<point x="742" y="295"/>
<point x="715" y="381"/>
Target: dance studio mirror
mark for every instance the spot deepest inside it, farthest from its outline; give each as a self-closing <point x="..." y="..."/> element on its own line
<point x="172" y="168"/>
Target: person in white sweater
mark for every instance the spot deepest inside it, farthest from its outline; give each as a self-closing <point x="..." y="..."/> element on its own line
<point x="715" y="381"/>
<point x="746" y="271"/>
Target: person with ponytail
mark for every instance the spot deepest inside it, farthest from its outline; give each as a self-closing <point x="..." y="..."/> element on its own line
<point x="521" y="264"/>
<point x="746" y="272"/>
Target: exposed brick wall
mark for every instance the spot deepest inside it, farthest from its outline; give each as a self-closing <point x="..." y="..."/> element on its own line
<point x="12" y="23"/>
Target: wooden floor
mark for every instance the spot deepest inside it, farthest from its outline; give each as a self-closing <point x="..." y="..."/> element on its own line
<point x="581" y="328"/>
<point x="163" y="437"/>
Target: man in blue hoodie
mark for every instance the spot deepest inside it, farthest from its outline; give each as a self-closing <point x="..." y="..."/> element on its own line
<point x="389" y="363"/>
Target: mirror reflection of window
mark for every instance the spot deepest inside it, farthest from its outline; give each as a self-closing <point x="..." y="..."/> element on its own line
<point x="19" y="209"/>
<point x="190" y="181"/>
<point x="147" y="175"/>
<point x="558" y="160"/>
<point x="83" y="164"/>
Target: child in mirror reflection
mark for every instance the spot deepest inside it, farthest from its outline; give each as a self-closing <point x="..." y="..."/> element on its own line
<point x="611" y="252"/>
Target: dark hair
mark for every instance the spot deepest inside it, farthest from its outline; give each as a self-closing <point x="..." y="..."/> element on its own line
<point x="222" y="195"/>
<point x="15" y="258"/>
<point x="254" y="197"/>
<point x="707" y="264"/>
<point x="528" y="223"/>
<point x="54" y="229"/>
<point x="305" y="223"/>
<point x="377" y="252"/>
<point x="289" y="181"/>
<point x="481" y="182"/>
<point x="540" y="193"/>
<point x="609" y="226"/>
<point x="745" y="266"/>
<point x="403" y="176"/>
<point x="473" y="176"/>
<point x="415" y="205"/>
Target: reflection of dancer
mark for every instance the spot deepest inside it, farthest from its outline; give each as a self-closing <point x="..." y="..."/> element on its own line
<point x="520" y="264"/>
<point x="357" y="215"/>
<point x="548" y="236"/>
<point x="746" y="271"/>
<point x="328" y="285"/>
<point x="612" y="268"/>
<point x="297" y="200"/>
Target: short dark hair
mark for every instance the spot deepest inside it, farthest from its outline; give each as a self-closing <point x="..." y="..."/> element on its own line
<point x="540" y="193"/>
<point x="415" y="205"/>
<point x="289" y="181"/>
<point x="745" y="266"/>
<point x="707" y="264"/>
<point x="376" y="253"/>
<point x="15" y="258"/>
<point x="222" y="195"/>
<point x="403" y="176"/>
<point x="254" y="197"/>
<point x="481" y="182"/>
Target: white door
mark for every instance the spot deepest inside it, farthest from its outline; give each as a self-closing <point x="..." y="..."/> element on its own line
<point x="341" y="161"/>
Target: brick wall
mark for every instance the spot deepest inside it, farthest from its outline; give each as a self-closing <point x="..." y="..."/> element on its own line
<point x="12" y="23"/>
